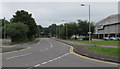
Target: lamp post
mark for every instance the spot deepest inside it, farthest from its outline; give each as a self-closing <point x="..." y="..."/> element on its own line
<point x="89" y="21"/>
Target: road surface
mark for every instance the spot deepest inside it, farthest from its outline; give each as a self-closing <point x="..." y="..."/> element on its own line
<point x="49" y="53"/>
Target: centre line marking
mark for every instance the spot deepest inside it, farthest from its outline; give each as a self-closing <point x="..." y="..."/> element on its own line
<point x="44" y="62"/>
<point x="37" y="65"/>
<point x="52" y="60"/>
<point x="18" y="56"/>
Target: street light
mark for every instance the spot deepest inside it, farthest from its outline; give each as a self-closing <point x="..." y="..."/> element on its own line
<point x="89" y="21"/>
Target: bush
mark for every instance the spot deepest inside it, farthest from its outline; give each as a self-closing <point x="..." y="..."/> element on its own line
<point x="86" y="38"/>
<point x="17" y="32"/>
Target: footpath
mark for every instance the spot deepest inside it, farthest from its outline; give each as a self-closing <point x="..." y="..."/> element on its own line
<point x="80" y="48"/>
<point x="9" y="48"/>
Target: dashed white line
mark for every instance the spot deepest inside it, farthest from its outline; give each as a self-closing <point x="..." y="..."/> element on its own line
<point x="18" y="56"/>
<point x="44" y="49"/>
<point x="52" y="60"/>
<point x="37" y="65"/>
<point x="59" y="57"/>
<point x="44" y="62"/>
<point x="55" y="59"/>
<point x="51" y="46"/>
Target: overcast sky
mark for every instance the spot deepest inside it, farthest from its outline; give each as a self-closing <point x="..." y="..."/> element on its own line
<point x="46" y="13"/>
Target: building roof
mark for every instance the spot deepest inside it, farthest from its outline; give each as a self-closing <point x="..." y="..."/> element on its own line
<point x="109" y="20"/>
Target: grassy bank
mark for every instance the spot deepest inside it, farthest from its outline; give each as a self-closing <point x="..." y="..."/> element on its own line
<point x="0" y="47"/>
<point x="112" y="43"/>
<point x="13" y="43"/>
<point x="105" y="50"/>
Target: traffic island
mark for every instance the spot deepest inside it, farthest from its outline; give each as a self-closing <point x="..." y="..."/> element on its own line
<point x="81" y="48"/>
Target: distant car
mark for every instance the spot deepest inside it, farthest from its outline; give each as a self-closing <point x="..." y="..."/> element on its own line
<point x="113" y="38"/>
<point x="118" y="38"/>
<point x="106" y="38"/>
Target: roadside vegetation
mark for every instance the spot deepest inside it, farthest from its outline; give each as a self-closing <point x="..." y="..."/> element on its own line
<point x="21" y="28"/>
<point x="111" y="43"/>
<point x="105" y="50"/>
<point x="1" y="47"/>
<point x="66" y="30"/>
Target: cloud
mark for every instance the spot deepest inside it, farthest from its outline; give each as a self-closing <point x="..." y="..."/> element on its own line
<point x="46" y="13"/>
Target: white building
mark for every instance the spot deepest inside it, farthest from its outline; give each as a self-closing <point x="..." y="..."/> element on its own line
<point x="108" y="27"/>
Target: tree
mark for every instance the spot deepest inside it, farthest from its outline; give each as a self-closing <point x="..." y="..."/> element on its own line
<point x="40" y="30"/>
<point x="3" y="23"/>
<point x="26" y="18"/>
<point x="72" y="28"/>
<point x="62" y="30"/>
<point x="83" y="27"/>
<point x="53" y="30"/>
<point x="17" y="32"/>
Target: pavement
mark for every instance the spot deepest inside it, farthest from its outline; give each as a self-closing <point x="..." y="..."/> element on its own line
<point x="9" y="48"/>
<point x="80" y="48"/>
<point x="50" y="53"/>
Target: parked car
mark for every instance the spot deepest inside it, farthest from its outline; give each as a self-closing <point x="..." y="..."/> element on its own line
<point x="113" y="38"/>
<point x="118" y="38"/>
<point x="106" y="38"/>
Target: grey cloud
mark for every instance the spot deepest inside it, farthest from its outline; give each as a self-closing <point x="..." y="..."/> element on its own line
<point x="46" y="13"/>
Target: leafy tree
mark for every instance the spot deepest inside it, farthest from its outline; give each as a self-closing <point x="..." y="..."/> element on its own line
<point x="26" y="18"/>
<point x="53" y="29"/>
<point x="3" y="23"/>
<point x="40" y="30"/>
<point x="45" y="32"/>
<point x="83" y="28"/>
<point x="72" y="28"/>
<point x="17" y="32"/>
<point x="62" y="31"/>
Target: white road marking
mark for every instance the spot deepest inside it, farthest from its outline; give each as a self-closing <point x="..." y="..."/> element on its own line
<point x="44" y="49"/>
<point x="55" y="59"/>
<point x="52" y="60"/>
<point x="50" y="43"/>
<point x="51" y="46"/>
<point x="38" y="42"/>
<point x="29" y="53"/>
<point x="59" y="57"/>
<point x="44" y="62"/>
<point x="37" y="65"/>
<point x="18" y="56"/>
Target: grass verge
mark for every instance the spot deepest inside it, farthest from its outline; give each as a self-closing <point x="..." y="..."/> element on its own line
<point x="105" y="50"/>
<point x="111" y="43"/>
<point x="13" y="43"/>
<point x="1" y="47"/>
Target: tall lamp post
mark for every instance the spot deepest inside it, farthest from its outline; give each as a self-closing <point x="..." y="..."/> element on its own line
<point x="89" y="21"/>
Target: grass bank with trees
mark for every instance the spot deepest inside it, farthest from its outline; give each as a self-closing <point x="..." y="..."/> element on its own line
<point x="105" y="50"/>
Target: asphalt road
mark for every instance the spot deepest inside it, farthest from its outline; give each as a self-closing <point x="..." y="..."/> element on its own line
<point x="49" y="53"/>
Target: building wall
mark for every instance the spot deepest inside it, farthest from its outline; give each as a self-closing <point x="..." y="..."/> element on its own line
<point x="108" y="26"/>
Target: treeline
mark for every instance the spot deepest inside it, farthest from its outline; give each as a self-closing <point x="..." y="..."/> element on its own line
<point x="67" y="30"/>
<point x="21" y="28"/>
